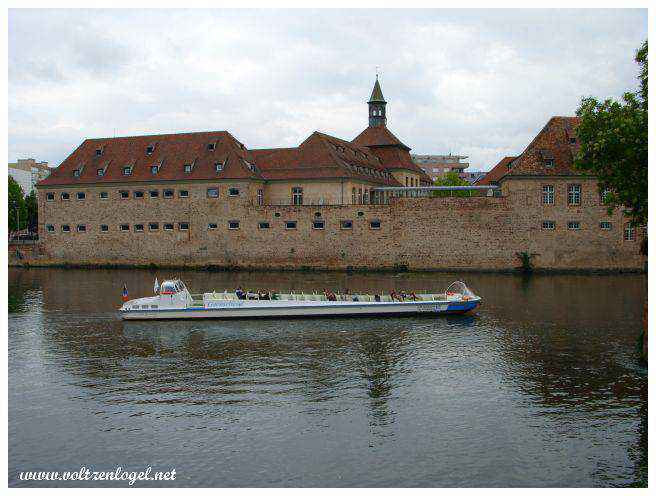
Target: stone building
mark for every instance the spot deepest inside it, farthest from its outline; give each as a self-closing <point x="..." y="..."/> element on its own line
<point x="205" y="199"/>
<point x="27" y="172"/>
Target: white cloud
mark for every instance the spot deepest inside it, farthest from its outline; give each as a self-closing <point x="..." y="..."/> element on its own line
<point x="478" y="83"/>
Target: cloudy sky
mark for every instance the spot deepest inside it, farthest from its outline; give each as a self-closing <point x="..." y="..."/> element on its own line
<point x="472" y="82"/>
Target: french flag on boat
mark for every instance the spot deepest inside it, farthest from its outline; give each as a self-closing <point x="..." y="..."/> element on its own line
<point x="125" y="292"/>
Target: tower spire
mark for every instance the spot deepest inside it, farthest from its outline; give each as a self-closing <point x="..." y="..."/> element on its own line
<point x="377" y="103"/>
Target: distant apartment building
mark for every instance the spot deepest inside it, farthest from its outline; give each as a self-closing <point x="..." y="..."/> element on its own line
<point x="436" y="166"/>
<point x="27" y="172"/>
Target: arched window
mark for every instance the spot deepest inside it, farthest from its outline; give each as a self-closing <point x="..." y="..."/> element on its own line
<point x="360" y="196"/>
<point x="353" y="197"/>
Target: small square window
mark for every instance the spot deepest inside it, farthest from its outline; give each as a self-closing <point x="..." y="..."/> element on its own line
<point x="318" y="224"/>
<point x="104" y="195"/>
<point x="211" y="146"/>
<point x="50" y="228"/>
<point x="65" y="196"/>
<point x="153" y="226"/>
<point x="81" y="195"/>
<point x="168" y="226"/>
<point x="233" y="192"/>
<point x="154" y="193"/>
<point x="138" y="227"/>
<point x="233" y="224"/>
<point x="346" y="224"/>
<point x="124" y="194"/>
<point x="127" y="171"/>
<point x="573" y="225"/>
<point x="50" y="197"/>
<point x="549" y="163"/>
<point x="100" y="172"/>
<point x="290" y="224"/>
<point x="81" y="228"/>
<point x="104" y="228"/>
<point x="77" y="172"/>
<point x="124" y="227"/>
<point x="187" y="168"/>
<point x="183" y="226"/>
<point x="66" y="228"/>
<point x="168" y="193"/>
<point x="374" y="224"/>
<point x="212" y="225"/>
<point x="150" y="149"/>
<point x="604" y="225"/>
<point x="263" y="225"/>
<point x="138" y="194"/>
<point x="549" y="225"/>
<point x="218" y="166"/>
<point x="98" y="152"/>
<point x="154" y="169"/>
<point x="212" y="192"/>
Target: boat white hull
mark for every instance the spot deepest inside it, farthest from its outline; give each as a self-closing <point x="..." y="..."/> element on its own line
<point x="285" y="309"/>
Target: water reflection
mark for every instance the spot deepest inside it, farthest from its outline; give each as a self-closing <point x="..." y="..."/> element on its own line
<point x="545" y="371"/>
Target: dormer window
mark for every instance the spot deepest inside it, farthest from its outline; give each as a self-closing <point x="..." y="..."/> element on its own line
<point x="100" y="172"/>
<point x="150" y="149"/>
<point x="188" y="168"/>
<point x="99" y="152"/>
<point x="154" y="169"/>
<point x="218" y="166"/>
<point x="211" y="147"/>
<point x="127" y="170"/>
<point x="77" y="172"/>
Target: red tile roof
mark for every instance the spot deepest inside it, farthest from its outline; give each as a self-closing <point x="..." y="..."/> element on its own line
<point x="552" y="143"/>
<point x="497" y="172"/>
<point x="378" y="136"/>
<point x="170" y="153"/>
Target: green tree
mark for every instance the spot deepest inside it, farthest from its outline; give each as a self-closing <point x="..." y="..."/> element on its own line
<point x="32" y="208"/>
<point x="613" y="138"/>
<point x="17" y="208"/>
<point x="451" y="179"/>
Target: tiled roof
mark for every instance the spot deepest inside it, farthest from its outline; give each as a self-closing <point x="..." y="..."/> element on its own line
<point x="555" y="144"/>
<point x="170" y="152"/>
<point x="322" y="156"/>
<point x="497" y="172"/>
<point x="378" y="136"/>
<point x="552" y="143"/>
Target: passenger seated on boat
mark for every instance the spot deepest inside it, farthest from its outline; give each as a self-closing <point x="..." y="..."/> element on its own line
<point x="251" y="296"/>
<point x="330" y="296"/>
<point x="396" y="296"/>
<point x="377" y="297"/>
<point x="413" y="296"/>
<point x="264" y="295"/>
<point x="240" y="293"/>
<point x="355" y="298"/>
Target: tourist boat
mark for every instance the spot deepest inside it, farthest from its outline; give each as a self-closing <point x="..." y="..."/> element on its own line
<point x="174" y="301"/>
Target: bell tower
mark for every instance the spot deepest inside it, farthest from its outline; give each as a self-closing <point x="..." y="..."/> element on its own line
<point x="377" y="117"/>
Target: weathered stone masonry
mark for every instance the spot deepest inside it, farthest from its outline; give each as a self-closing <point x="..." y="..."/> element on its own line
<point x="421" y="234"/>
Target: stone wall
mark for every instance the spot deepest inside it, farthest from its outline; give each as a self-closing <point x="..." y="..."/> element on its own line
<point x="481" y="233"/>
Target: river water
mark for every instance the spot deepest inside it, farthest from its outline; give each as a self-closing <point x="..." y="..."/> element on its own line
<point x="541" y="387"/>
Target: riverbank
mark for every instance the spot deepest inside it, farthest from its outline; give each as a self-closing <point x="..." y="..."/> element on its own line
<point x="36" y="263"/>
